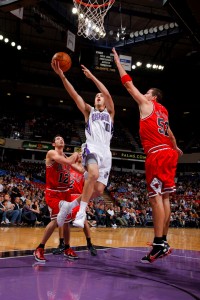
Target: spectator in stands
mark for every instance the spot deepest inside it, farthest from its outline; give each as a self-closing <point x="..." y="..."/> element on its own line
<point x="125" y="216"/>
<point x="2" y="208"/>
<point x="111" y="218"/>
<point x="91" y="216"/>
<point x="133" y="217"/>
<point x="36" y="209"/>
<point x="10" y="215"/>
<point x="101" y="215"/>
<point x="18" y="207"/>
<point x="118" y="214"/>
<point x="1" y="185"/>
<point x="15" y="193"/>
<point x="29" y="214"/>
<point x="44" y="212"/>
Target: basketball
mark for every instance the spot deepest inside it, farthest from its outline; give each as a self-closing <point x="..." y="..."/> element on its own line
<point x="64" y="60"/>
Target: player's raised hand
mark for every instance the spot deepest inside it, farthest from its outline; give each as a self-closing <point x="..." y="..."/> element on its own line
<point x="116" y="56"/>
<point x="87" y="72"/>
<point x="74" y="158"/>
<point x="180" y="152"/>
<point x="56" y="67"/>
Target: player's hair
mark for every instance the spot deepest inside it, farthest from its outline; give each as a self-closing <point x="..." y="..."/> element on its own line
<point x="158" y="93"/>
<point x="53" y="141"/>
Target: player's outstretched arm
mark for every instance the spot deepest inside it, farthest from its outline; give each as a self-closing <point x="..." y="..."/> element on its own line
<point x="101" y="87"/>
<point x="127" y="81"/>
<point x="81" y="104"/>
<point x="53" y="155"/>
<point x="78" y="167"/>
<point x="173" y="140"/>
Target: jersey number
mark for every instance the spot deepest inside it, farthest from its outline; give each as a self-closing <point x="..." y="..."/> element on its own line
<point x="163" y="126"/>
<point x="63" y="178"/>
<point x="107" y="127"/>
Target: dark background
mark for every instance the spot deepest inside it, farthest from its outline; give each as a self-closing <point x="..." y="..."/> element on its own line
<point x="28" y="72"/>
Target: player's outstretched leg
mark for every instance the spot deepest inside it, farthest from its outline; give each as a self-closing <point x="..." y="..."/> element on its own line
<point x="64" y="207"/>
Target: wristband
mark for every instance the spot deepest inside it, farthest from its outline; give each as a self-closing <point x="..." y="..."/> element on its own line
<point x="125" y="78"/>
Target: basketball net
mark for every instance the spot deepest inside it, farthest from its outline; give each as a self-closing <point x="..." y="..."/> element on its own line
<point x="91" y="15"/>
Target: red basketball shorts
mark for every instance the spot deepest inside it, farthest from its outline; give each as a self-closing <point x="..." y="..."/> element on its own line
<point x="160" y="169"/>
<point x="53" y="198"/>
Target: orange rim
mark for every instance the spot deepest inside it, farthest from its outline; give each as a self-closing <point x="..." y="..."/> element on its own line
<point x="94" y="5"/>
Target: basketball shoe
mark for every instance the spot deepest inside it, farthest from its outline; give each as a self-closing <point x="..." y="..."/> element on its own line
<point x="92" y="249"/>
<point x="59" y="250"/>
<point x="70" y="254"/>
<point x="39" y="255"/>
<point x="80" y="219"/>
<point x="169" y="249"/>
<point x="64" y="207"/>
<point x="157" y="251"/>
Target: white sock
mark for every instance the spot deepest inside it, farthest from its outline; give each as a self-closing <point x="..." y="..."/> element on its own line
<point x="83" y="206"/>
<point x="74" y="204"/>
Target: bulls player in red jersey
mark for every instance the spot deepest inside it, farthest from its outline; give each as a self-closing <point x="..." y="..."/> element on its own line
<point x="162" y="154"/>
<point x="57" y="188"/>
<point x="76" y="188"/>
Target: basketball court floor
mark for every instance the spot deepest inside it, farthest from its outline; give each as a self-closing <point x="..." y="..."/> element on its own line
<point x="115" y="273"/>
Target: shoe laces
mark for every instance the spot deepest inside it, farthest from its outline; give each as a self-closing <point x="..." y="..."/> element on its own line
<point x="71" y="252"/>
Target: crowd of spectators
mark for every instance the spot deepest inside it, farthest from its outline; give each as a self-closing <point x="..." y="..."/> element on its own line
<point x="22" y="199"/>
<point x="128" y="191"/>
<point x="43" y="126"/>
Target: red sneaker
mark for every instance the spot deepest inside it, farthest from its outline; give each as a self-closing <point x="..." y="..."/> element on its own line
<point x="169" y="249"/>
<point x="39" y="255"/>
<point x="157" y="251"/>
<point x="69" y="253"/>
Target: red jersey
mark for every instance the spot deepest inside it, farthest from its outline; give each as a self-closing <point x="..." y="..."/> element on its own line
<point x="153" y="129"/>
<point x="76" y="182"/>
<point x="57" y="176"/>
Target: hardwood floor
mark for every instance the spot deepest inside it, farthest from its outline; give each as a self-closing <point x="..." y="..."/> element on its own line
<point x="29" y="238"/>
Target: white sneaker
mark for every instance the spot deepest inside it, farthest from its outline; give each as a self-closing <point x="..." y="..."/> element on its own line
<point x="80" y="219"/>
<point x="64" y="210"/>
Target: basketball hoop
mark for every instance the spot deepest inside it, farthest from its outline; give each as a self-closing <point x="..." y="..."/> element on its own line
<point x="91" y="15"/>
